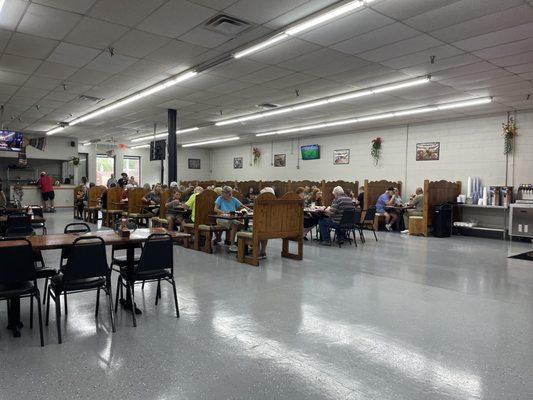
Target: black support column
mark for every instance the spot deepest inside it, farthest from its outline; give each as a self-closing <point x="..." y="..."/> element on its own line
<point x="172" y="147"/>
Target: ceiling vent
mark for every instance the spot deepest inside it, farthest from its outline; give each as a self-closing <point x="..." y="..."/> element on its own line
<point x="226" y="25"/>
<point x="90" y="99"/>
<point x="267" y="106"/>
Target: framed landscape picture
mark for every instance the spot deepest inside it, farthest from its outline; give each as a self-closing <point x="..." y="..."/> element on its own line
<point x="194" y="163"/>
<point x="341" y="157"/>
<point x="280" y="160"/>
<point x="237" y="163"/>
<point x="429" y="151"/>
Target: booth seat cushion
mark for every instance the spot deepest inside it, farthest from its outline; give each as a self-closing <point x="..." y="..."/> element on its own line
<point x="245" y="235"/>
<point x="189" y="225"/>
<point x="212" y="228"/>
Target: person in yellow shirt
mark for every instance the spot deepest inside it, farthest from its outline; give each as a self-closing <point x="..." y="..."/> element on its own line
<point x="191" y="202"/>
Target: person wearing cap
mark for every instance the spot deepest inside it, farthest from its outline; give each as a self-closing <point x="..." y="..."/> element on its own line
<point x="47" y="192"/>
<point x="340" y="204"/>
<point x="123" y="181"/>
<point x="224" y="204"/>
<point x="385" y="206"/>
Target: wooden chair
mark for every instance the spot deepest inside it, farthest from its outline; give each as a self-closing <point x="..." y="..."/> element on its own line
<point x="273" y="219"/>
<point x="135" y="205"/>
<point x="161" y="219"/>
<point x="76" y="191"/>
<point x="114" y="208"/>
<point x="90" y="211"/>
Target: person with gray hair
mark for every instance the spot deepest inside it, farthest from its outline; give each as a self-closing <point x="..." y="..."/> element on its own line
<point x="225" y="204"/>
<point x="415" y="207"/>
<point x="340" y="204"/>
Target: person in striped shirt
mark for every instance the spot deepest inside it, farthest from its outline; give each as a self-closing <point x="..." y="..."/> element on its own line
<point x="334" y="213"/>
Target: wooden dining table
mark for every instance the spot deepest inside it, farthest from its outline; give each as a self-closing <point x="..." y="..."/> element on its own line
<point x="245" y="218"/>
<point x="34" y="219"/>
<point x="110" y="237"/>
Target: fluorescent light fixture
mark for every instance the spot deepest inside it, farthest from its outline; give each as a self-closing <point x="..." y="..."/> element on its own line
<point x="163" y="135"/>
<point x="55" y="130"/>
<point x="394" y="114"/>
<point x="1" y="4"/>
<point x="260" y="46"/>
<point x="229" y="139"/>
<point x="130" y="99"/>
<point x="327" y="100"/>
<point x="86" y="144"/>
<point x="141" y="146"/>
<point x="303" y="26"/>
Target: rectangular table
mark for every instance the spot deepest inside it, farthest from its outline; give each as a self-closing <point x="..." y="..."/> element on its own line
<point x="34" y="219"/>
<point x="237" y="217"/>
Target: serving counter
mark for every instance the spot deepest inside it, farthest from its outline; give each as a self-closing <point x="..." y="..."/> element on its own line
<point x="64" y="195"/>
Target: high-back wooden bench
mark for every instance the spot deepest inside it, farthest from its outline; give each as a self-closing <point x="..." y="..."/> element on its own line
<point x="113" y="208"/>
<point x="135" y="205"/>
<point x="327" y="190"/>
<point x="161" y="218"/>
<point x="273" y="219"/>
<point x="372" y="192"/>
<point x="90" y="211"/>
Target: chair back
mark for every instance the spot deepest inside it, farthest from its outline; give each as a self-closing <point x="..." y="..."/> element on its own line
<point x="278" y="218"/>
<point x="114" y="195"/>
<point x="163" y="203"/>
<point x="17" y="261"/>
<point x="370" y="214"/>
<point x="37" y="211"/>
<point x="87" y="259"/>
<point x="77" y="227"/>
<point x="157" y="253"/>
<point x="135" y="203"/>
<point x="95" y="194"/>
<point x="18" y="225"/>
<point x="349" y="219"/>
<point x="204" y="206"/>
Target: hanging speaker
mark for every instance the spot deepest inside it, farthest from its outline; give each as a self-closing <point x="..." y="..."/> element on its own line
<point x="158" y="150"/>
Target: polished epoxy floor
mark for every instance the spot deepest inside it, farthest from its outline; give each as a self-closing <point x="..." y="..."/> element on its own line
<point x="405" y="318"/>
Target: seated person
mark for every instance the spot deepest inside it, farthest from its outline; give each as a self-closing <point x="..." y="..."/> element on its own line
<point x="397" y="198"/>
<point x="414" y="208"/>
<point x="310" y="219"/>
<point x="360" y="201"/>
<point x="153" y="198"/>
<point x="191" y="204"/>
<point x="171" y="206"/>
<point x="385" y="206"/>
<point x="334" y="213"/>
<point x="249" y="196"/>
<point x="81" y="198"/>
<point x="224" y="204"/>
<point x="124" y="197"/>
<point x="315" y="199"/>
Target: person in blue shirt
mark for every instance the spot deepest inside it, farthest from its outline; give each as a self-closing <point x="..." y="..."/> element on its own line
<point x="225" y="204"/>
<point x="385" y="206"/>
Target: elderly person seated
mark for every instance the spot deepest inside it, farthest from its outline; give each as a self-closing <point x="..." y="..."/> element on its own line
<point x="153" y="199"/>
<point x="310" y="219"/>
<point x="414" y="208"/>
<point x="225" y="204"/>
<point x="340" y="204"/>
<point x="385" y="206"/>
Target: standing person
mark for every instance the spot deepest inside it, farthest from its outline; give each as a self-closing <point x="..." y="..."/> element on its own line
<point x="414" y="208"/>
<point x="3" y="200"/>
<point x="224" y="204"/>
<point x="385" y="206"/>
<point x="334" y="212"/>
<point x="47" y="192"/>
<point x="123" y="181"/>
<point x="111" y="180"/>
<point x="133" y="182"/>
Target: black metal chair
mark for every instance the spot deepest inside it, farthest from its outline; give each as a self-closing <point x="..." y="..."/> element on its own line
<point x="86" y="269"/>
<point x="368" y="223"/>
<point x="38" y="212"/>
<point x="18" y="276"/>
<point x="347" y="226"/>
<point x="18" y="225"/>
<point x="156" y="264"/>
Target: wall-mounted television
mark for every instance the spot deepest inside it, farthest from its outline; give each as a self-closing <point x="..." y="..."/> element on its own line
<point x="10" y="140"/>
<point x="310" y="152"/>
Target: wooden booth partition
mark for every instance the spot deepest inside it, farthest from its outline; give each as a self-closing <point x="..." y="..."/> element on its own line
<point x="135" y="205"/>
<point x="296" y="184"/>
<point x="327" y="190"/>
<point x="372" y="191"/>
<point x="113" y="207"/>
<point x="435" y="193"/>
<point x="161" y="219"/>
<point x="244" y="186"/>
<point x="280" y="187"/>
<point x="273" y="219"/>
<point x="90" y="211"/>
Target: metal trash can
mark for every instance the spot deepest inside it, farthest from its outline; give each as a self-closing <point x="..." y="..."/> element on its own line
<point x="442" y="220"/>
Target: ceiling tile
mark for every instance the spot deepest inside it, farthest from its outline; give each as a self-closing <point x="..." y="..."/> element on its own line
<point x="412" y="45"/>
<point x="145" y="69"/>
<point x="312" y="63"/>
<point x="204" y="37"/>
<point x="139" y="44"/>
<point x="30" y="46"/>
<point x="77" y="6"/>
<point x="422" y="57"/>
<point x="450" y="62"/>
<point x="284" y="51"/>
<point x="523" y="31"/>
<point x="230" y="86"/>
<point x="505" y="50"/>
<point x="73" y="55"/>
<point x="477" y="67"/>
<point x="104" y="62"/>
<point x="175" y="18"/>
<point x="235" y="69"/>
<point x="377" y="38"/>
<point x="176" y="53"/>
<point x="91" y="32"/>
<point x="124" y="12"/>
<point x="41" y="82"/>
<point x="6" y="89"/>
<point x="354" y="24"/>
<point x="409" y="8"/>
<point x="514" y="60"/>
<point x="47" y="22"/>
<point x="265" y="75"/>
<point x="302" y="11"/>
<point x="260" y="11"/>
<point x="12" y="78"/>
<point x="54" y="70"/>
<point x="521" y="68"/>
<point x="18" y="64"/>
<point x="89" y="76"/>
<point x="11" y="13"/>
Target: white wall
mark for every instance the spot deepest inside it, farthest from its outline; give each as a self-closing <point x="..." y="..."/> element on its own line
<point x="469" y="147"/>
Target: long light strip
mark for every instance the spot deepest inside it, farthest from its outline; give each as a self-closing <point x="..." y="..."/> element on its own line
<point x="413" y="111"/>
<point x="163" y="135"/>
<point x="130" y="99"/>
<point x="303" y="26"/>
<point x="229" y="139"/>
<point x="327" y="100"/>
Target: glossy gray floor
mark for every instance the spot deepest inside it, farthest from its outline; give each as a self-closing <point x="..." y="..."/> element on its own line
<point x="405" y="318"/>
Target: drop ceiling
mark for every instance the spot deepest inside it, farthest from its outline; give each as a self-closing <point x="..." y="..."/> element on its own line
<point x="54" y="51"/>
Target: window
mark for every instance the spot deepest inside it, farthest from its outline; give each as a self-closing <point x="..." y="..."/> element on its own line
<point x="105" y="166"/>
<point x="132" y="166"/>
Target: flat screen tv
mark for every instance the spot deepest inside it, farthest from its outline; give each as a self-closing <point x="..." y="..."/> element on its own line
<point x="10" y="140"/>
<point x="310" y="152"/>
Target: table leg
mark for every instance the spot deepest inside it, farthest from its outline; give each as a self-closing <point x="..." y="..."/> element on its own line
<point x="126" y="303"/>
<point x="13" y="313"/>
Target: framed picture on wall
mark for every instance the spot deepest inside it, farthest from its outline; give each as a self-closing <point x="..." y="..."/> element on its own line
<point x="429" y="151"/>
<point x="237" y="163"/>
<point x="280" y="160"/>
<point x="341" y="157"/>
<point x="194" y="163"/>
